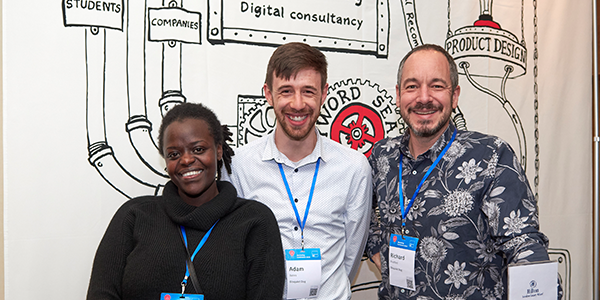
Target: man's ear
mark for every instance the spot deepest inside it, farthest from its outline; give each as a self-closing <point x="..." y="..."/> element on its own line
<point x="455" y="97"/>
<point x="324" y="94"/>
<point x="268" y="94"/>
<point x="397" y="95"/>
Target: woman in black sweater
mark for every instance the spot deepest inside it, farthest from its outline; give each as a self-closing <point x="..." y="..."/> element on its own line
<point x="142" y="254"/>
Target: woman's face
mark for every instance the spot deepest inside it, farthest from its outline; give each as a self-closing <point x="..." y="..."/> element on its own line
<point x="191" y="157"/>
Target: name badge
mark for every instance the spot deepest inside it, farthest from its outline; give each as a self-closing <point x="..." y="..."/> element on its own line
<point x="179" y="296"/>
<point x="303" y="272"/>
<point x="402" y="261"/>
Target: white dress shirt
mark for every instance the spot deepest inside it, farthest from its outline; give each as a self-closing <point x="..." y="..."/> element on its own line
<point x="338" y="217"/>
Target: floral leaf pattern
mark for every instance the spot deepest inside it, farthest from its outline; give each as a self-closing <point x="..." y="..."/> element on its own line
<point x="474" y="212"/>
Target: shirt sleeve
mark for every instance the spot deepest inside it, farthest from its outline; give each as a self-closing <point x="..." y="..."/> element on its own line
<point x="233" y="178"/>
<point x="375" y="239"/>
<point x="357" y="218"/>
<point x="512" y="212"/>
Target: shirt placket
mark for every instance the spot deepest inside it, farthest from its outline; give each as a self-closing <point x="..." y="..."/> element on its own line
<point x="298" y="182"/>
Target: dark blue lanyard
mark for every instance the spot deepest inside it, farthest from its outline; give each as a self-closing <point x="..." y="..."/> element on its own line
<point x="187" y="270"/>
<point x="412" y="200"/>
<point x="310" y="196"/>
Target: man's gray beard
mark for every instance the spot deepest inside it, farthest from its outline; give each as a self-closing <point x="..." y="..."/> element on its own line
<point x="430" y="132"/>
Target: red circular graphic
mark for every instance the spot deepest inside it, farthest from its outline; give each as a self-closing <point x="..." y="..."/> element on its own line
<point x="167" y="297"/>
<point x="360" y="125"/>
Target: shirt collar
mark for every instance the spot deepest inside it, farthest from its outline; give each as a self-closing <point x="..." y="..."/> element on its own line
<point x="272" y="153"/>
<point x="433" y="152"/>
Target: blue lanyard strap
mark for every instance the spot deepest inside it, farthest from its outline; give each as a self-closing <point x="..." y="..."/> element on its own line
<point x="310" y="196"/>
<point x="412" y="200"/>
<point x="187" y="270"/>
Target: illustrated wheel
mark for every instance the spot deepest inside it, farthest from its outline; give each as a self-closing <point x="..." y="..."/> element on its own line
<point x="358" y="126"/>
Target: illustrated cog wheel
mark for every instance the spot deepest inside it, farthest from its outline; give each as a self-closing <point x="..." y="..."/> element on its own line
<point x="356" y="136"/>
<point x="358" y="126"/>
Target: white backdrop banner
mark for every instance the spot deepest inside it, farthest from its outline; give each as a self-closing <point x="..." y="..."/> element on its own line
<point x="87" y="82"/>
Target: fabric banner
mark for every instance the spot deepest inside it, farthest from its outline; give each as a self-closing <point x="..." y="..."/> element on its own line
<point x="89" y="81"/>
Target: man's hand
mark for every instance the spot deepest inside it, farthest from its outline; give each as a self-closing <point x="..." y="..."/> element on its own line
<point x="377" y="260"/>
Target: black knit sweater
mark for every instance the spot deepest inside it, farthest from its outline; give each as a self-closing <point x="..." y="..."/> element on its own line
<point x="142" y="255"/>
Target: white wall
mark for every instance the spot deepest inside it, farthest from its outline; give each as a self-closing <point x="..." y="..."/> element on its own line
<point x="57" y="205"/>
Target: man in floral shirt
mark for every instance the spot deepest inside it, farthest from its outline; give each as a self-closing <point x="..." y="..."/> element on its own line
<point x="473" y="214"/>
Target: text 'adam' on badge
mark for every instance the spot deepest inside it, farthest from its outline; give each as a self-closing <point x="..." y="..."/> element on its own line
<point x="106" y="14"/>
<point x="174" y="24"/>
<point x="303" y="272"/>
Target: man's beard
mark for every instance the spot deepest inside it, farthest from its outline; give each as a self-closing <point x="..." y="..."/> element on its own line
<point x="426" y="131"/>
<point x="297" y="134"/>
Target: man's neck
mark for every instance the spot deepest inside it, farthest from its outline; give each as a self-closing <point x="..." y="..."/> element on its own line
<point x="419" y="145"/>
<point x="295" y="150"/>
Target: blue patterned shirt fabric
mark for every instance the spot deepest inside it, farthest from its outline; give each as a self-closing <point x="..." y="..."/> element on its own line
<point x="338" y="219"/>
<point x="474" y="215"/>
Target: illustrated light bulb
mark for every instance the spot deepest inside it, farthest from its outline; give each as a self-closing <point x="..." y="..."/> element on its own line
<point x="485" y="15"/>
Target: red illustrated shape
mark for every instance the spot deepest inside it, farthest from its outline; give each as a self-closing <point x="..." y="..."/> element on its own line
<point x="360" y="125"/>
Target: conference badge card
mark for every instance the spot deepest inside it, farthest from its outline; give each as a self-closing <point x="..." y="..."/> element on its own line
<point x="402" y="261"/>
<point x="303" y="268"/>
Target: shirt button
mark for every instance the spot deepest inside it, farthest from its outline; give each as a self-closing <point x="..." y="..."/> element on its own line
<point x="406" y="231"/>
<point x="296" y="228"/>
<point x="414" y="172"/>
<point x="402" y="291"/>
<point x="296" y="170"/>
<point x="296" y="200"/>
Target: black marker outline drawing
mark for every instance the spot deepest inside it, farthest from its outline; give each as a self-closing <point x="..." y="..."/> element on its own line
<point x="563" y="257"/>
<point x="218" y="32"/>
<point x="484" y="26"/>
<point x="135" y="28"/>
<point x="101" y="154"/>
<point x="74" y="22"/>
<point x="138" y="126"/>
<point x="378" y="118"/>
<point x="414" y="39"/>
<point x="256" y="118"/>
<point x="136" y="23"/>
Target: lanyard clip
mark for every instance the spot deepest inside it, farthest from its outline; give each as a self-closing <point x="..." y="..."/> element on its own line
<point x="403" y="229"/>
<point x="183" y="284"/>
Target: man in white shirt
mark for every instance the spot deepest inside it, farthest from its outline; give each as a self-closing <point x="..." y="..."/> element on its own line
<point x="319" y="190"/>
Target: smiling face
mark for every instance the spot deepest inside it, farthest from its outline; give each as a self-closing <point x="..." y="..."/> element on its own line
<point x="191" y="157"/>
<point x="297" y="103"/>
<point x="424" y="94"/>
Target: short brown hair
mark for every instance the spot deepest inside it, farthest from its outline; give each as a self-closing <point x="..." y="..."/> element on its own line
<point x="289" y="59"/>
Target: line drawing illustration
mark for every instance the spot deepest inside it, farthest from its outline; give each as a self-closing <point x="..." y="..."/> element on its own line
<point x="264" y="25"/>
<point x="357" y="112"/>
<point x="509" y="61"/>
<point x="172" y="26"/>
<point x="471" y="44"/>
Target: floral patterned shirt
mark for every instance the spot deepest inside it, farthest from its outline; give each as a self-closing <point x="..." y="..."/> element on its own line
<point x="473" y="216"/>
